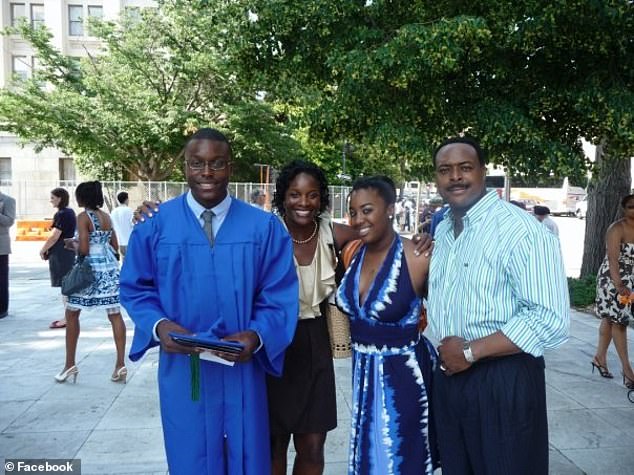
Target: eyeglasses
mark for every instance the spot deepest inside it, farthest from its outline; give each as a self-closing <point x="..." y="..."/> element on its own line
<point x="200" y="165"/>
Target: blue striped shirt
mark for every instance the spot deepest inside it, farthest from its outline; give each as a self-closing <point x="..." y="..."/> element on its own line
<point x="503" y="272"/>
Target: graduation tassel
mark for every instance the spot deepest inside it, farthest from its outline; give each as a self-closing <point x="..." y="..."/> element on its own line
<point x="194" y="363"/>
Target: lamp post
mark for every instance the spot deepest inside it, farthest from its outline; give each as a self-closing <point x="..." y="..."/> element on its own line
<point x="346" y="149"/>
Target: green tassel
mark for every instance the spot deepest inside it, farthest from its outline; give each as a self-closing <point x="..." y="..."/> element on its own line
<point x="194" y="363"/>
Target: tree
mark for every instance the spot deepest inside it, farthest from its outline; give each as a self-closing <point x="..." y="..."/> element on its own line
<point x="611" y="181"/>
<point x="527" y="78"/>
<point x="128" y="110"/>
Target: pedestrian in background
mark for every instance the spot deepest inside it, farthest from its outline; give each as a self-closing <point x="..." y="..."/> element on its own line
<point x="7" y="218"/>
<point x="615" y="283"/>
<point x="258" y="198"/>
<point x="97" y="244"/>
<point x="542" y="214"/>
<point x="60" y="258"/>
<point x="121" y="218"/>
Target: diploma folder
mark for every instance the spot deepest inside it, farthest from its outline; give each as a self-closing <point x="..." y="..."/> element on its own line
<point x="207" y="342"/>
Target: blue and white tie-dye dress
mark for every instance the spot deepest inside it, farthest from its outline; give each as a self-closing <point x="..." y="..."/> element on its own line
<point x="392" y="430"/>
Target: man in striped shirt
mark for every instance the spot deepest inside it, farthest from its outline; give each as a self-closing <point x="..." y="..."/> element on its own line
<point x="497" y="298"/>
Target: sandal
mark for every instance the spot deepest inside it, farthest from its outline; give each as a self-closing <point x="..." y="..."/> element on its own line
<point x="57" y="324"/>
<point x="603" y="371"/>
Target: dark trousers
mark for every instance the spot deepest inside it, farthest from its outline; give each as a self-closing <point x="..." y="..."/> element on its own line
<point x="491" y="419"/>
<point x="4" y="283"/>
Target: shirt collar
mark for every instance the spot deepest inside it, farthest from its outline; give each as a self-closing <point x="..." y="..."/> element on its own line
<point x="220" y="210"/>
<point x="479" y="210"/>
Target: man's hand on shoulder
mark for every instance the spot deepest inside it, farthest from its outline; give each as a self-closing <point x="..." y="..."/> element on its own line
<point x="146" y="210"/>
<point x="423" y="244"/>
<point x="164" y="328"/>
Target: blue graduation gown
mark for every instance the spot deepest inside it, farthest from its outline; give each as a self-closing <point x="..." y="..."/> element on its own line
<point x="247" y="281"/>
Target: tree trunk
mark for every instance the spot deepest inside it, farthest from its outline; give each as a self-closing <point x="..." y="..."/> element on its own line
<point x="611" y="181"/>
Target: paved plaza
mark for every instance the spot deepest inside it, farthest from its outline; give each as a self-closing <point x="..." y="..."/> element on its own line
<point x="116" y="429"/>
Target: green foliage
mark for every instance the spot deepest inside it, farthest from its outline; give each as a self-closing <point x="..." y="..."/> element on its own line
<point x="129" y="109"/>
<point x="527" y="78"/>
<point x="582" y="291"/>
<point x="392" y="78"/>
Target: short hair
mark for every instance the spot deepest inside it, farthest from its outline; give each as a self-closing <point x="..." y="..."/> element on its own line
<point x="519" y="204"/>
<point x="122" y="197"/>
<point x="89" y="195"/>
<point x="255" y="194"/>
<point x="463" y="140"/>
<point x="63" y="196"/>
<point x="207" y="133"/>
<point x="626" y="200"/>
<point x="541" y="210"/>
<point x="383" y="185"/>
<point x="288" y="174"/>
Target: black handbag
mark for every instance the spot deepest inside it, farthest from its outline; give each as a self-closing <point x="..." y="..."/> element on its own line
<point x="78" y="278"/>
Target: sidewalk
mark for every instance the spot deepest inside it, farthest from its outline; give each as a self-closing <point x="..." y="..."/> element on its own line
<point x="116" y="429"/>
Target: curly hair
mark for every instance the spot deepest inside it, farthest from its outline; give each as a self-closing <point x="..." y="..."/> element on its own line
<point x="287" y="175"/>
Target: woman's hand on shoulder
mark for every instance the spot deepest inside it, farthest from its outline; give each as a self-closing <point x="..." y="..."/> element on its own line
<point x="145" y="210"/>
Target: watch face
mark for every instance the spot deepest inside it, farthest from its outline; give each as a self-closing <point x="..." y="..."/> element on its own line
<point x="468" y="355"/>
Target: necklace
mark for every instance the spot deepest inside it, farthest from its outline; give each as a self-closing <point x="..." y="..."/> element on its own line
<point x="307" y="240"/>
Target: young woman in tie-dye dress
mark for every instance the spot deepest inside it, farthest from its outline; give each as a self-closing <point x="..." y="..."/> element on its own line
<point x="392" y="429"/>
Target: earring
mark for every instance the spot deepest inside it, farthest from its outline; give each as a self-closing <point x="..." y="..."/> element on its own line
<point x="390" y="216"/>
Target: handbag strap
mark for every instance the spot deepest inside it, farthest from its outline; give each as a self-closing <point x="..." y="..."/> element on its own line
<point x="349" y="251"/>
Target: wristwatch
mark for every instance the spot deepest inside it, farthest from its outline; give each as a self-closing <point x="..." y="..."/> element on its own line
<point x="468" y="354"/>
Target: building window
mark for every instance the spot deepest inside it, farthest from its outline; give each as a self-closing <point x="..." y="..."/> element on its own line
<point x="18" y="11"/>
<point x="66" y="169"/>
<point x="76" y="18"/>
<point x="5" y="170"/>
<point x="75" y="21"/>
<point x="133" y="14"/>
<point x="20" y="67"/>
<point x="94" y="12"/>
<point x="37" y="15"/>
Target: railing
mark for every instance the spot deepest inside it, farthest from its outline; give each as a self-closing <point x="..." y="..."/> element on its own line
<point x="33" y="197"/>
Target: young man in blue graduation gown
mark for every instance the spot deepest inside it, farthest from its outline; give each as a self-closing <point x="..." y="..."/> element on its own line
<point x="233" y="280"/>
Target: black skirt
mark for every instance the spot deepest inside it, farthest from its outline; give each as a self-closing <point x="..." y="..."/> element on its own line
<point x="303" y="400"/>
<point x="60" y="261"/>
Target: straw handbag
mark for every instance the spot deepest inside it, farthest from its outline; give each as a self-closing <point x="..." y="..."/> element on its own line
<point x="338" y="322"/>
<point x="339" y="332"/>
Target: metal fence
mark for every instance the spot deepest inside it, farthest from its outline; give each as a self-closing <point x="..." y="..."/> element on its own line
<point x="33" y="197"/>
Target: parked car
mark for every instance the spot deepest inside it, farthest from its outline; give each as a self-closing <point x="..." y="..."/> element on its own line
<point x="582" y="208"/>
